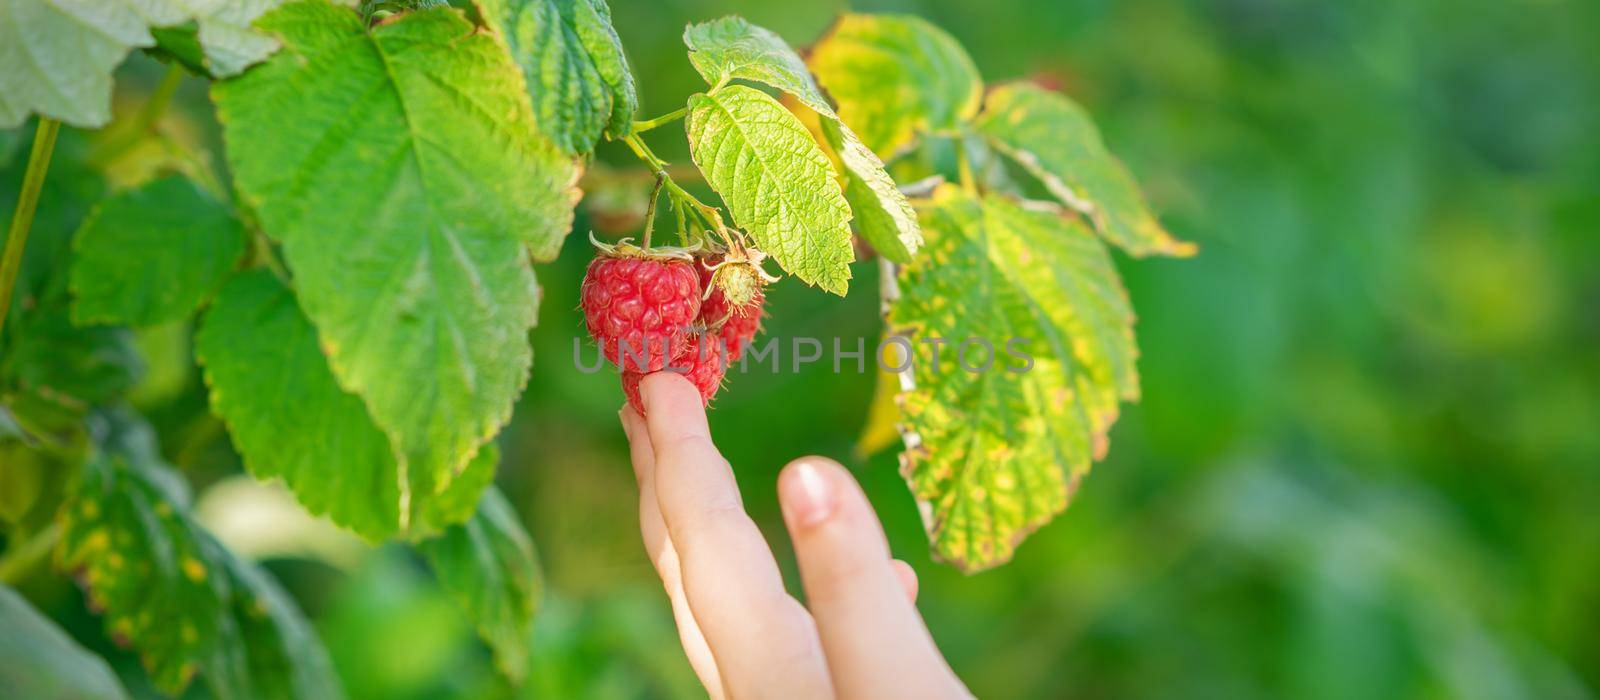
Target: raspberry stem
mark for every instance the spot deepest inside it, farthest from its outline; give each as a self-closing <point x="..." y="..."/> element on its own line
<point x="667" y="118"/>
<point x="650" y="211"/>
<point x="681" y="197"/>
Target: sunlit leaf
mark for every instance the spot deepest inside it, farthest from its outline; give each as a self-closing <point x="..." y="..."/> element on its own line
<point x="488" y="564"/>
<point x="1001" y="440"/>
<point x="180" y="599"/>
<point x="152" y="254"/>
<point x="402" y="172"/>
<point x="895" y="77"/>
<point x="883" y="214"/>
<point x="573" y="62"/>
<point x="730" y="47"/>
<point x="778" y="184"/>
<point x="40" y="660"/>
<point x="260" y="355"/>
<point x="1054" y="139"/>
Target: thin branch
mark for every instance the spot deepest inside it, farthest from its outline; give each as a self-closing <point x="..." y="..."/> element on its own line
<point x="44" y="143"/>
<point x="667" y="118"/>
<point x="650" y="211"/>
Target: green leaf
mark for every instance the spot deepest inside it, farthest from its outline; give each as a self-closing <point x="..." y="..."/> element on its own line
<point x="39" y="660"/>
<point x="152" y="254"/>
<point x="778" y="184"/>
<point x="57" y="56"/>
<point x="882" y="213"/>
<point x="230" y="44"/>
<point x="10" y="142"/>
<point x="575" y="69"/>
<point x="401" y="170"/>
<point x="42" y="354"/>
<point x="1055" y="141"/>
<point x="489" y="565"/>
<point x="895" y="77"/>
<point x="998" y="452"/>
<point x="49" y="355"/>
<point x="177" y="596"/>
<point x="729" y="48"/>
<point x="71" y="190"/>
<point x="260" y="355"/>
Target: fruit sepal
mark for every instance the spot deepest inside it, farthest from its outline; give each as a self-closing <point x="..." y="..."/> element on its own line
<point x="625" y="248"/>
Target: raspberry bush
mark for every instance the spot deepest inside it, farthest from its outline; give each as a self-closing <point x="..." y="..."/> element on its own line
<point x="361" y="281"/>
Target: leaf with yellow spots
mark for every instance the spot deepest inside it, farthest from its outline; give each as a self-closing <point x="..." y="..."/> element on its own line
<point x="1055" y="141"/>
<point x="179" y="598"/>
<point x="1022" y="348"/>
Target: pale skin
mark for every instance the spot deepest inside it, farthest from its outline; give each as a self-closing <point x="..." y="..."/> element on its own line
<point x="859" y="635"/>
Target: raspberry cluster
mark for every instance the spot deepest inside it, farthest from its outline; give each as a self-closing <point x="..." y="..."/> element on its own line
<point x="650" y="312"/>
<point x="640" y="309"/>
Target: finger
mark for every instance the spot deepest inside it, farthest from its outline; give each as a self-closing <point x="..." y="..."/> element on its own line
<point x="872" y="635"/>
<point x="659" y="547"/>
<point x="908" y="578"/>
<point x="761" y="637"/>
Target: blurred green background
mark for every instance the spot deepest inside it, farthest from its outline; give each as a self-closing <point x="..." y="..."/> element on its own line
<point x="1367" y="463"/>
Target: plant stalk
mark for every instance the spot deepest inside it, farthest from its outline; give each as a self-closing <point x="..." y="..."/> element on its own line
<point x="706" y="212"/>
<point x="650" y="211"/>
<point x="154" y="107"/>
<point x="667" y="118"/>
<point x="44" y="143"/>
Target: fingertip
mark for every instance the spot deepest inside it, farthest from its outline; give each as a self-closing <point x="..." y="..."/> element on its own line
<point x="809" y="490"/>
<point x="672" y="409"/>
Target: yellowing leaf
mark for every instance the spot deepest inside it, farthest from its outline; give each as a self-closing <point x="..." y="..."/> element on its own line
<point x="896" y="76"/>
<point x="779" y="186"/>
<point x="1055" y="141"/>
<point x="401" y="170"/>
<point x="1010" y="409"/>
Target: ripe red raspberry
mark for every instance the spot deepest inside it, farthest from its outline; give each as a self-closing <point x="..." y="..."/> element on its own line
<point x="705" y="363"/>
<point x="639" y="306"/>
<point x="735" y="324"/>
